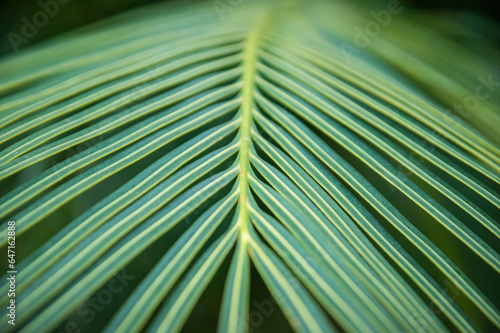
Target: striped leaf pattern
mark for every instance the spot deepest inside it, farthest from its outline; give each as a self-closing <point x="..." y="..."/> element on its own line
<point x="247" y="136"/>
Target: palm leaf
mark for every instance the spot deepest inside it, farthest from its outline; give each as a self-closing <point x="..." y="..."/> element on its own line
<point x="251" y="140"/>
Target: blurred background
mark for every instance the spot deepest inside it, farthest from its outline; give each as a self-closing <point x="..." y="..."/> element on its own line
<point x="477" y="15"/>
<point x="478" y="18"/>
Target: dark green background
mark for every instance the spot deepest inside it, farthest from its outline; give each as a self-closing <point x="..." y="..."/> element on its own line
<point x="77" y="13"/>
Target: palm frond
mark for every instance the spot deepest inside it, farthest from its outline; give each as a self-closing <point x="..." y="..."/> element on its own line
<point x="254" y="141"/>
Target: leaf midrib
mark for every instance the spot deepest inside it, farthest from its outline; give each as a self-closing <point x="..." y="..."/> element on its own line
<point x="249" y="74"/>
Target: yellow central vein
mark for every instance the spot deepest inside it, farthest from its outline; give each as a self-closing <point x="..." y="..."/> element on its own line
<point x="249" y="73"/>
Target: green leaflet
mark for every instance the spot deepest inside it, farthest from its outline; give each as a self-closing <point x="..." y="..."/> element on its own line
<point x="78" y="229"/>
<point x="236" y="299"/>
<point x="154" y="288"/>
<point x="256" y="123"/>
